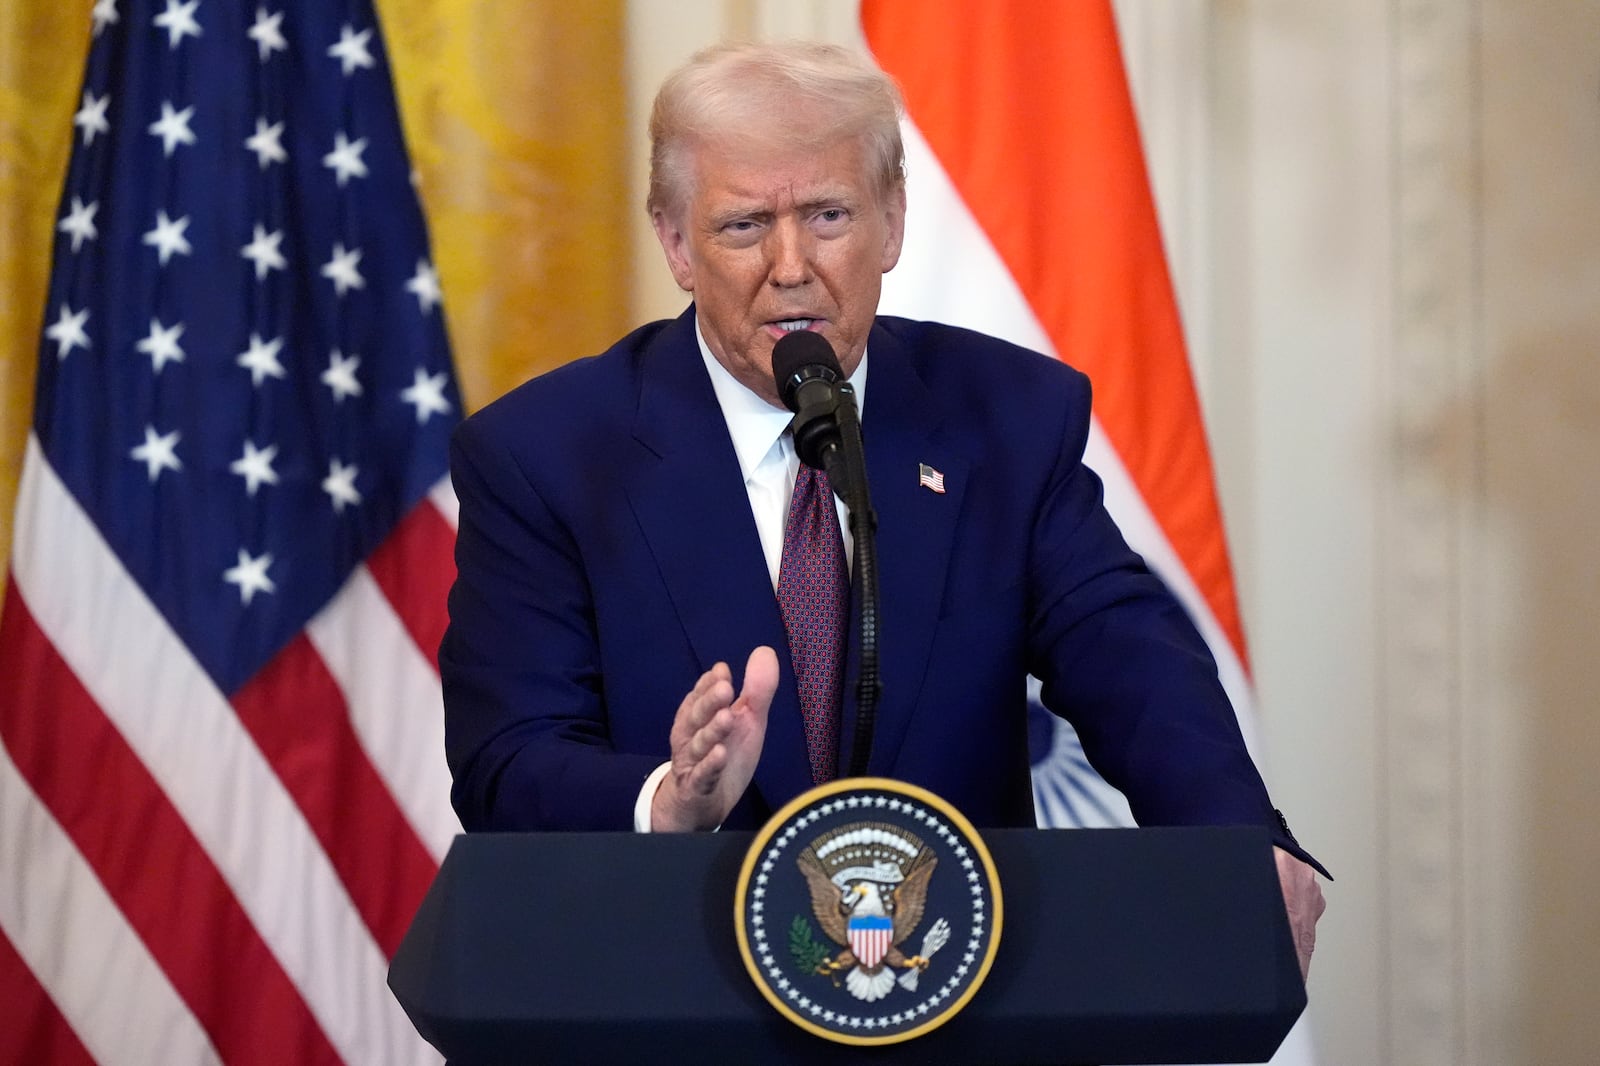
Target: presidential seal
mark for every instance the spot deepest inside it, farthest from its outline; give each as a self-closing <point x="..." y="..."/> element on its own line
<point x="868" y="911"/>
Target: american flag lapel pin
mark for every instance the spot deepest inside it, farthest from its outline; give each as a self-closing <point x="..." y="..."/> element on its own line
<point x="929" y="478"/>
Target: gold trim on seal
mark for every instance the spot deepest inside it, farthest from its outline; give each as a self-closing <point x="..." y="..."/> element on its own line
<point x="865" y="784"/>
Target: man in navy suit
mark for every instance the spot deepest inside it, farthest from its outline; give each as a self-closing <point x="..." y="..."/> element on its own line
<point x="622" y="523"/>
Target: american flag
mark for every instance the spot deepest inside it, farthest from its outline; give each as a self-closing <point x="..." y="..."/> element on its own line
<point x="929" y="478"/>
<point x="222" y="785"/>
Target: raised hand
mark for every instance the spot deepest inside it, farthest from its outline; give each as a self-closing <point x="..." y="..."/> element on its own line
<point x="716" y="742"/>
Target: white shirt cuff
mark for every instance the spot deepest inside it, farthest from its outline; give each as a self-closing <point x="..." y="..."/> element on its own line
<point x="647" y="795"/>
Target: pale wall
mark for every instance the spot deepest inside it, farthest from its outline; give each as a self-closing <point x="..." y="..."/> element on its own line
<point x="1384" y="220"/>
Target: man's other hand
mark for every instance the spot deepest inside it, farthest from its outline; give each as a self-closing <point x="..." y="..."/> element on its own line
<point x="716" y="741"/>
<point x="1302" y="898"/>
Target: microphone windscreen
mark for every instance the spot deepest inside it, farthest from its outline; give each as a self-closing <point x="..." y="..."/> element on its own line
<point x="793" y="357"/>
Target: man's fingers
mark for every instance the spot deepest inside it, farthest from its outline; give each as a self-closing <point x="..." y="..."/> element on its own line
<point x="708" y="736"/>
<point x="1303" y="900"/>
<point x="716" y="742"/>
<point x="710" y="694"/>
<point x="702" y="780"/>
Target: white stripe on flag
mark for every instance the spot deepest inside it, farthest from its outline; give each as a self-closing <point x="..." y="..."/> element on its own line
<point x="184" y="731"/>
<point x="982" y="295"/>
<point x="396" y="703"/>
<point x="86" y="956"/>
<point x="443" y="496"/>
<point x="949" y="271"/>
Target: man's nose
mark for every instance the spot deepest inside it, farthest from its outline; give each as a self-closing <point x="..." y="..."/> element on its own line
<point x="790" y="250"/>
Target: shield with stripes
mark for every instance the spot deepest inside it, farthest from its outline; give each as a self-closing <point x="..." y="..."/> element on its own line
<point x="870" y="937"/>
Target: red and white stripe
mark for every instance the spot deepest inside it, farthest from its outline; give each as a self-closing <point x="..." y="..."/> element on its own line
<point x="189" y="878"/>
<point x="870" y="944"/>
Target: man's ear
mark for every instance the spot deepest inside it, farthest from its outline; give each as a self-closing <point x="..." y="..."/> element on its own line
<point x="675" y="245"/>
<point x="895" y="221"/>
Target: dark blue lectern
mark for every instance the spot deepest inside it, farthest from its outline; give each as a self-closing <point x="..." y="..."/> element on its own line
<point x="1118" y="946"/>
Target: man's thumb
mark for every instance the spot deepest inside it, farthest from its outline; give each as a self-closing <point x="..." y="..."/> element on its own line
<point x="760" y="679"/>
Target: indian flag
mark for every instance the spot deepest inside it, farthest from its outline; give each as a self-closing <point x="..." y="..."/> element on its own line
<point x="1031" y="219"/>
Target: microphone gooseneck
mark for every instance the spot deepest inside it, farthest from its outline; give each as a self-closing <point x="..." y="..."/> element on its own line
<point x="827" y="436"/>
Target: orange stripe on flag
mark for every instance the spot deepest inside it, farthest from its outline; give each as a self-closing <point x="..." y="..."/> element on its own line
<point x="1027" y="108"/>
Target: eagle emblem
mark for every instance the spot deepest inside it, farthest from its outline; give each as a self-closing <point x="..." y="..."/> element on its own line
<point x="846" y="896"/>
<point x="868" y="883"/>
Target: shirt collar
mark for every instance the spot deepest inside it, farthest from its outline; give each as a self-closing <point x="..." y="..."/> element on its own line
<point x="753" y="423"/>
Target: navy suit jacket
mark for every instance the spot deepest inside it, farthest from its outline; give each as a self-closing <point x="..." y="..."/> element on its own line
<point x="607" y="557"/>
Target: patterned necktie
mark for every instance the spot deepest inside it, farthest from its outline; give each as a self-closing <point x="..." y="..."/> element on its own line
<point x="814" y="597"/>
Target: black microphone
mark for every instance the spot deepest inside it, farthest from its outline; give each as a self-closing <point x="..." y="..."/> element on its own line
<point x="812" y="385"/>
<point x="827" y="436"/>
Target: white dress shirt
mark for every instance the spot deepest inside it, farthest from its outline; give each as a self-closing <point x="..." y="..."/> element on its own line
<point x="769" y="464"/>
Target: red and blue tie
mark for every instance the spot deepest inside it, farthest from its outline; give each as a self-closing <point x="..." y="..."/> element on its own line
<point x="814" y="599"/>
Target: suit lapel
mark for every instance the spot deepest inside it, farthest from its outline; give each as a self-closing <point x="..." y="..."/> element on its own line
<point x="916" y="531"/>
<point x="689" y="498"/>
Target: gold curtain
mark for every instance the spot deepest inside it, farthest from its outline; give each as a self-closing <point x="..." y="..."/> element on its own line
<point x="515" y="114"/>
<point x="42" y="47"/>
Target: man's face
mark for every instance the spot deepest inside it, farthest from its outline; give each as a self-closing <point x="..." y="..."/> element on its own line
<point x="774" y="240"/>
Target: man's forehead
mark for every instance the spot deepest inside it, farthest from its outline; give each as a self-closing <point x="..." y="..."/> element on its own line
<point x="776" y="190"/>
<point x="763" y="168"/>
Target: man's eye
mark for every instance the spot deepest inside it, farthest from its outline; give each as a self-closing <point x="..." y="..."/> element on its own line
<point x="832" y="214"/>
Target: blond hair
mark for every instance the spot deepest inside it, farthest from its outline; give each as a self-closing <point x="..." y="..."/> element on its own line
<point x="764" y="90"/>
